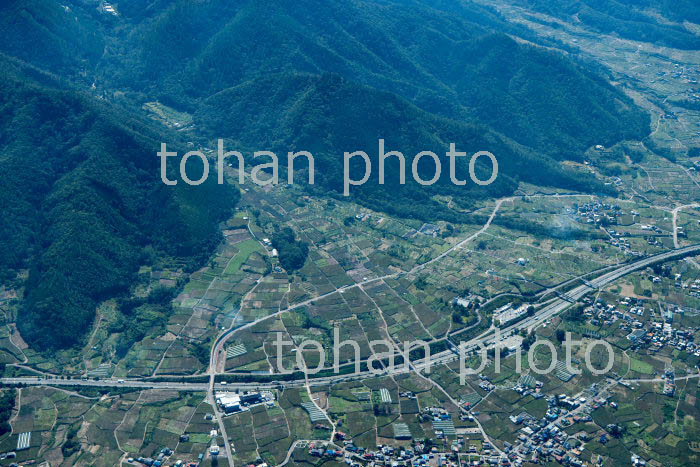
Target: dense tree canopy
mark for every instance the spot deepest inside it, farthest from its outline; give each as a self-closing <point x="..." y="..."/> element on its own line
<point x="84" y="200"/>
<point x="81" y="198"/>
<point x="292" y="252"/>
<point x="630" y="19"/>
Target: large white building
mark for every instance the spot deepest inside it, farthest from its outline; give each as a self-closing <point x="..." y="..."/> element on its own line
<point x="235" y="402"/>
<point x="229" y="401"/>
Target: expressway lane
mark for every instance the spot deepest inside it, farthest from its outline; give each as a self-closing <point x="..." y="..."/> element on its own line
<point x="133" y="384"/>
<point x="555" y="307"/>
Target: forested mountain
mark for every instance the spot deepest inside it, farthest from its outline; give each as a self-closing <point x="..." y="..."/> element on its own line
<point x="630" y="19"/>
<point x="442" y="56"/>
<point x="81" y="198"/>
<point x="328" y="115"/>
<point x="448" y="58"/>
<point x="84" y="197"/>
<point x="60" y="38"/>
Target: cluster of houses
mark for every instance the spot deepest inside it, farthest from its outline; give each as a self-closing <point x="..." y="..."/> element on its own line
<point x="649" y="335"/>
<point x="544" y="440"/>
<point x="161" y="459"/>
<point x="622" y="244"/>
<point x="529" y="387"/>
<point x="669" y="383"/>
<point x="485" y="384"/>
<point x="685" y="73"/>
<point x="324" y="450"/>
<point x="434" y="414"/>
<point x="418" y="454"/>
<point x="693" y="286"/>
<point x="606" y="216"/>
<point x="654" y="336"/>
<point x="597" y="213"/>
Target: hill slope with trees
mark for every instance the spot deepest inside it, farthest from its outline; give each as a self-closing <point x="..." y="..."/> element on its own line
<point x="81" y="198"/>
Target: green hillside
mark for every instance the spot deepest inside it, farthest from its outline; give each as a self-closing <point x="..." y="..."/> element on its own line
<point x="447" y="60"/>
<point x="329" y="115"/>
<point x="81" y="198"/>
<point x="630" y="19"/>
<point x="320" y="75"/>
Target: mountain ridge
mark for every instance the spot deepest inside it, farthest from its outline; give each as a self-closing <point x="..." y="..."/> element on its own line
<point x="83" y="200"/>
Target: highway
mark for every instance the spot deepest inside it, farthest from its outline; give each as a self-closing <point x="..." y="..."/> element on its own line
<point x="486" y="340"/>
<point x="560" y="304"/>
<point x="133" y="384"/>
<point x="554" y="307"/>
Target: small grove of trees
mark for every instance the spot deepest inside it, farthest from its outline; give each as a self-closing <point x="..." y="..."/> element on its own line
<point x="201" y="352"/>
<point x="561" y="335"/>
<point x="575" y="314"/>
<point x="72" y="443"/>
<point x="7" y="404"/>
<point x="464" y="315"/>
<point x="140" y="315"/>
<point x="292" y="252"/>
<point x="382" y="409"/>
<point x="529" y="338"/>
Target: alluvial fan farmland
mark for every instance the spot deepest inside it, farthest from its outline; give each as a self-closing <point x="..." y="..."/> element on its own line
<point x="361" y="232"/>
